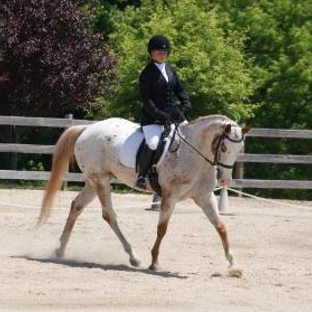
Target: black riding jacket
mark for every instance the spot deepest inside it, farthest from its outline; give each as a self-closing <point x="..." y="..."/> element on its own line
<point x="156" y="93"/>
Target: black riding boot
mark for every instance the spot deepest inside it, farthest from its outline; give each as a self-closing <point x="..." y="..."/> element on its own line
<point x="144" y="164"/>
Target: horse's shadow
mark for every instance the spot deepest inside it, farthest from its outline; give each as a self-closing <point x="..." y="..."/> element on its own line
<point x="105" y="267"/>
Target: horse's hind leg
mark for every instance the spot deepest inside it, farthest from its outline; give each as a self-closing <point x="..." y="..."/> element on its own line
<point x="209" y="206"/>
<point x="78" y="204"/>
<point x="109" y="215"/>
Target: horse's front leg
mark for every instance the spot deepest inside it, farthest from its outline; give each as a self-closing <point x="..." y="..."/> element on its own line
<point x="165" y="213"/>
<point x="209" y="206"/>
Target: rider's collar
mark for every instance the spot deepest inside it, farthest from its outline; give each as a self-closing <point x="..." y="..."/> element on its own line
<point x="159" y="64"/>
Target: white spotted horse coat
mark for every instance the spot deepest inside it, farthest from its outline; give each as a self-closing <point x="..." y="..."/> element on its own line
<point x="208" y="144"/>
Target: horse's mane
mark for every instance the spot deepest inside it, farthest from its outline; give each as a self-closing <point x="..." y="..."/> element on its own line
<point x="211" y="118"/>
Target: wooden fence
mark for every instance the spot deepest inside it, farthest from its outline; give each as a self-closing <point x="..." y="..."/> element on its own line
<point x="238" y="181"/>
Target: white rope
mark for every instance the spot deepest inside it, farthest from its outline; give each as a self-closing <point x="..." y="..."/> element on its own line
<point x="59" y="207"/>
<point x="18" y="206"/>
<point x="158" y="202"/>
<point x="2" y="204"/>
<point x="269" y="200"/>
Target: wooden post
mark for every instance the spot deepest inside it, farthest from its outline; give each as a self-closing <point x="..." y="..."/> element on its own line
<point x="239" y="169"/>
<point x="223" y="203"/>
<point x="15" y="139"/>
<point x="65" y="183"/>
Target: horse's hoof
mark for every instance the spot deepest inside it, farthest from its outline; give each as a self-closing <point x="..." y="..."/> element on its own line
<point x="154" y="267"/>
<point x="135" y="262"/>
<point x="235" y="272"/>
<point x="59" y="253"/>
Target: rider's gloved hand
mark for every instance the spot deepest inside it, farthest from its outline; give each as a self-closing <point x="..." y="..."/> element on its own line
<point x="175" y="113"/>
<point x="165" y="117"/>
<point x="179" y="117"/>
<point x="186" y="107"/>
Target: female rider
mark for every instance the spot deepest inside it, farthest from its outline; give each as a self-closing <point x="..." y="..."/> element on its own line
<point x="159" y="84"/>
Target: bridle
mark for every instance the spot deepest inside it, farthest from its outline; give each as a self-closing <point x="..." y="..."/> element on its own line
<point x="216" y="155"/>
<point x="215" y="161"/>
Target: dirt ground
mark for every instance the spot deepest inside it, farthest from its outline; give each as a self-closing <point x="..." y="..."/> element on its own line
<point x="272" y="244"/>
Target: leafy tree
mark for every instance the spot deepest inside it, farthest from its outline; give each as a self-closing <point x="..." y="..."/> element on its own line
<point x="279" y="40"/>
<point x="50" y="63"/>
<point x="209" y="60"/>
<point x="100" y="10"/>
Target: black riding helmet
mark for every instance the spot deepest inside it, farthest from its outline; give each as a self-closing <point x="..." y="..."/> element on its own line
<point x="158" y="42"/>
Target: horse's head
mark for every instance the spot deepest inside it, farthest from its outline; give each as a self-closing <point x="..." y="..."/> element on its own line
<point x="226" y="147"/>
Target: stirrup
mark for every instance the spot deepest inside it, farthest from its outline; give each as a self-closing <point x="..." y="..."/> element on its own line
<point x="141" y="183"/>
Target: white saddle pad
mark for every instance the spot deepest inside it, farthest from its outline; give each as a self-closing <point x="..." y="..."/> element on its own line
<point x="128" y="151"/>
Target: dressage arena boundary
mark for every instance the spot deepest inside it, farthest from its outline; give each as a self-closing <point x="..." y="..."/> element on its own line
<point x="224" y="212"/>
<point x="238" y="182"/>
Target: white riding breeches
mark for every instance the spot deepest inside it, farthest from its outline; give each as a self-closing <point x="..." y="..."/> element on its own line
<point x="152" y="135"/>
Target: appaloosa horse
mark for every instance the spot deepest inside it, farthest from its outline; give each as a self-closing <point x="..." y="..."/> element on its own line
<point x="208" y="148"/>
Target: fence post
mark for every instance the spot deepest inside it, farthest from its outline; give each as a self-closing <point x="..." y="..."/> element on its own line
<point x="65" y="183"/>
<point x="239" y="169"/>
<point x="15" y="139"/>
<point x="223" y="203"/>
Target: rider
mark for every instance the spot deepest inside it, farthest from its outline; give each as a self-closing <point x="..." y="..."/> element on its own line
<point x="159" y="83"/>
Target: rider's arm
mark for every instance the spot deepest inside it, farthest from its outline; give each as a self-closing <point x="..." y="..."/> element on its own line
<point x="148" y="104"/>
<point x="181" y="94"/>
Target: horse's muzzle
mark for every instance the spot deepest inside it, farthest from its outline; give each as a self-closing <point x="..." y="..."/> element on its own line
<point x="224" y="182"/>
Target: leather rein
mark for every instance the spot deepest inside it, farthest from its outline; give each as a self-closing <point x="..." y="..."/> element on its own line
<point x="215" y="161"/>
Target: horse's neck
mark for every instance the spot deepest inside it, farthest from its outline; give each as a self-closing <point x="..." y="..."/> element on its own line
<point x="202" y="132"/>
<point x="199" y="136"/>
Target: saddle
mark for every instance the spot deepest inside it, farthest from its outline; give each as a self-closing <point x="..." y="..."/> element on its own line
<point x="167" y="142"/>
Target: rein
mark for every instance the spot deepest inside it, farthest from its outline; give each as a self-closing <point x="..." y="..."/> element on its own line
<point x="215" y="162"/>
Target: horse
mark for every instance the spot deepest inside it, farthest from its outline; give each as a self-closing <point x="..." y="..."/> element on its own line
<point x="207" y="151"/>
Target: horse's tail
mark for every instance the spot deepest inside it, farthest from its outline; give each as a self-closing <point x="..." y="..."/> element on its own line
<point x="62" y="155"/>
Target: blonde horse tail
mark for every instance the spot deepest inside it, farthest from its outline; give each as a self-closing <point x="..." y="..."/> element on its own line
<point x="62" y="155"/>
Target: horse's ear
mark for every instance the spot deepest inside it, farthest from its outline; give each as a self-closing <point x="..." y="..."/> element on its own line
<point x="227" y="128"/>
<point x="246" y="129"/>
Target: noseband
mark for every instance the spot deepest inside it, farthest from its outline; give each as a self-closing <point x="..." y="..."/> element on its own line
<point x="215" y="161"/>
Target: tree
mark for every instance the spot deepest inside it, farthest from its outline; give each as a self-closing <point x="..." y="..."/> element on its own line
<point x="50" y="63"/>
<point x="278" y="39"/>
<point x="209" y="61"/>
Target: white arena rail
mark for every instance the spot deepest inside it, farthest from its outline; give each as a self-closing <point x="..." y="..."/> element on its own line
<point x="238" y="181"/>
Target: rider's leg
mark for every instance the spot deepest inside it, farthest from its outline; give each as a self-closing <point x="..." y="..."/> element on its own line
<point x="144" y="164"/>
<point x="152" y="134"/>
